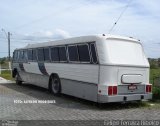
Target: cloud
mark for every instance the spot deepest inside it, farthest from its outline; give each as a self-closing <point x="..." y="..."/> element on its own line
<point x="46" y="35"/>
<point x="19" y="40"/>
<point x="62" y="34"/>
<point x="82" y="17"/>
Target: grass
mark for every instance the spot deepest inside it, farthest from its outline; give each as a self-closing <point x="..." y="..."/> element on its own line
<point x="154" y="104"/>
<point x="154" y="73"/>
<point x="6" y="74"/>
<point x="5" y="65"/>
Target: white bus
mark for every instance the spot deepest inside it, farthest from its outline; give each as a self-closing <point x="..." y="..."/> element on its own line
<point x="99" y="68"/>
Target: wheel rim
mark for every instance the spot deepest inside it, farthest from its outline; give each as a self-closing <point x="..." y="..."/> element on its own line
<point x="55" y="85"/>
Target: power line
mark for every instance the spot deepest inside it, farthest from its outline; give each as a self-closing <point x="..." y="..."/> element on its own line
<point x="27" y="40"/>
<point x="35" y="39"/>
<point x="43" y="18"/>
<point x="2" y="38"/>
<point x="5" y="52"/>
<point x="121" y="14"/>
<point x="49" y="15"/>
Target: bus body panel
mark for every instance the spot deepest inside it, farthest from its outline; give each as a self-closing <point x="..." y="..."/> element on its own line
<point x="78" y="72"/>
<point x="123" y="98"/>
<point x="79" y="81"/>
<point x="36" y="79"/>
<point x="80" y="89"/>
<point x="112" y="75"/>
<point x="32" y="67"/>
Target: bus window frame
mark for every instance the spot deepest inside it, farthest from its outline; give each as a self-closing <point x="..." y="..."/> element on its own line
<point x="49" y="54"/>
<point x="89" y="62"/>
<point x="37" y="54"/>
<point x="25" y="59"/>
<point x="89" y="44"/>
<point x="66" y="53"/>
<point x="35" y="49"/>
<point x="92" y="62"/>
<point x="77" y="53"/>
<point x="32" y="55"/>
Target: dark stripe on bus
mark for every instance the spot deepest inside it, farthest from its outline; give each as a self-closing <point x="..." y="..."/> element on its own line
<point x="42" y="68"/>
<point x="21" y="67"/>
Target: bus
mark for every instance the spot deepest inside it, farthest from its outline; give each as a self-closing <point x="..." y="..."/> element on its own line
<point x="100" y="68"/>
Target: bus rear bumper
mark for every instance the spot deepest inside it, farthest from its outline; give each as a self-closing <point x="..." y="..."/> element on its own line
<point x="123" y="98"/>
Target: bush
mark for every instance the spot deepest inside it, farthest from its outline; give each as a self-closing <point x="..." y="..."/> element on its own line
<point x="156" y="92"/>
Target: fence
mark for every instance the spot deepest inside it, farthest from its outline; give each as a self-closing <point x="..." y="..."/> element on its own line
<point x="3" y="68"/>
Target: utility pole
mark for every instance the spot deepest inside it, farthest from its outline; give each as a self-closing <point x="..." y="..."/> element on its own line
<point x="8" y="38"/>
<point x="9" y="55"/>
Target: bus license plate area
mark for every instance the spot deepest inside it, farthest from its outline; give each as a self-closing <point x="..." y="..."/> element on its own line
<point x="132" y="87"/>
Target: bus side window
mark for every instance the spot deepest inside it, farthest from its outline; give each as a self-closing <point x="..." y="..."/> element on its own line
<point x="73" y="53"/>
<point x="93" y="53"/>
<point x="21" y="56"/>
<point x="62" y="54"/>
<point x="14" y="55"/>
<point x="84" y="53"/>
<point x="18" y="55"/>
<point x="29" y="52"/>
<point x="46" y="54"/>
<point x="25" y="58"/>
<point x="40" y="54"/>
<point x="34" y="54"/>
<point x="55" y="54"/>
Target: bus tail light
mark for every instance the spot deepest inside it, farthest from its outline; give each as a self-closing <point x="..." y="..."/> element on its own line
<point x="148" y="88"/>
<point x="112" y="90"/>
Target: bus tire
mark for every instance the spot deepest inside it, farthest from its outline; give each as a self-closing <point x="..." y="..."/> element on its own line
<point x="17" y="79"/>
<point x="14" y="72"/>
<point x="55" y="85"/>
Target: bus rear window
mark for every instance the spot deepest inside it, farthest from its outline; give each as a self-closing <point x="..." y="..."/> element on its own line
<point x="125" y="52"/>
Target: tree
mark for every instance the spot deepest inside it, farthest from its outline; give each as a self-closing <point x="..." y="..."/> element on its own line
<point x="2" y="61"/>
<point x="158" y="62"/>
<point x="153" y="63"/>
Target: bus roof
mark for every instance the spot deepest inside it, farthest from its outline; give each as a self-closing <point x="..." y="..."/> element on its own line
<point x="80" y="39"/>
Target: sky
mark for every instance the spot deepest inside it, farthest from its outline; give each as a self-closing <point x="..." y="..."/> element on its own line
<point x="34" y="21"/>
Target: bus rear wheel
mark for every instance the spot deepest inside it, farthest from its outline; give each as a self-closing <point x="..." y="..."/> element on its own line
<point x="55" y="85"/>
<point x="17" y="79"/>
